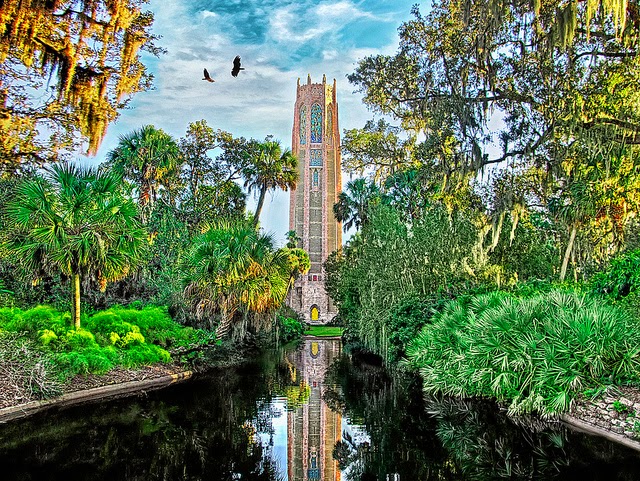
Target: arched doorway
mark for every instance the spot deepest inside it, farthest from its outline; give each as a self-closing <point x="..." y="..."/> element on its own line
<point x="315" y="313"/>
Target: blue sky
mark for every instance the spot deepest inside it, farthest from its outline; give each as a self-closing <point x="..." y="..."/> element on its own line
<point x="279" y="41"/>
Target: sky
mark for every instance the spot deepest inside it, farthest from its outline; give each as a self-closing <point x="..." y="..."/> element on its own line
<point x="279" y="41"/>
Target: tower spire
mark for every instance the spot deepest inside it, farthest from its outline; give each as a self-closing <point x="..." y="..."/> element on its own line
<point x="316" y="144"/>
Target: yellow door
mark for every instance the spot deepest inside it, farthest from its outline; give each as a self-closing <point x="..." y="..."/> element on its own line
<point x="315" y="314"/>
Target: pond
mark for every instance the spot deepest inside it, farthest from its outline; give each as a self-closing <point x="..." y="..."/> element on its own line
<point x="311" y="413"/>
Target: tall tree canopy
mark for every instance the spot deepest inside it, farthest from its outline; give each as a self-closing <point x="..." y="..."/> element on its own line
<point x="87" y="53"/>
<point x="546" y="89"/>
<point x="536" y="79"/>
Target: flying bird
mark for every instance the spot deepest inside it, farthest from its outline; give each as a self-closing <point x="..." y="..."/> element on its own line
<point x="236" y="66"/>
<point x="207" y="77"/>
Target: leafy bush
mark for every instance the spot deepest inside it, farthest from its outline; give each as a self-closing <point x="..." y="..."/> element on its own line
<point x="144" y="354"/>
<point x="153" y="323"/>
<point x="118" y="336"/>
<point x="290" y="329"/>
<point x="92" y="360"/>
<point x="405" y="321"/>
<point x="79" y="340"/>
<point x="536" y="354"/>
<point x="108" y="322"/>
<point x="33" y="320"/>
<point x="621" y="278"/>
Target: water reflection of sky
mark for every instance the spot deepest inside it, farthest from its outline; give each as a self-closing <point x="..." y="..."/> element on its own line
<point x="278" y="450"/>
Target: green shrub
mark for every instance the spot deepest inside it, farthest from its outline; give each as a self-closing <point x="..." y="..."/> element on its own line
<point x="7" y="316"/>
<point x="94" y="360"/>
<point x="405" y="321"/>
<point x="106" y="322"/>
<point x="77" y="340"/>
<point x="621" y="278"/>
<point x="47" y="337"/>
<point x="143" y="355"/>
<point x="537" y="354"/>
<point x="35" y="320"/>
<point x="154" y="323"/>
<point x="290" y="329"/>
<point x="72" y="363"/>
<point x="109" y="338"/>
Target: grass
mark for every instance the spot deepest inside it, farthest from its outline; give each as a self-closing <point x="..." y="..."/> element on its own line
<point x="324" y="331"/>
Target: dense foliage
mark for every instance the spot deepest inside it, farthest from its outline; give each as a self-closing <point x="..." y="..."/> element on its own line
<point x="535" y="354"/>
<point x="540" y="97"/>
<point x="514" y="166"/>
<point x="232" y="271"/>
<point x="390" y="262"/>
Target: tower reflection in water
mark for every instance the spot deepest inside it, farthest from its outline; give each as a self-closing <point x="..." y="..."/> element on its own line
<point x="312" y="428"/>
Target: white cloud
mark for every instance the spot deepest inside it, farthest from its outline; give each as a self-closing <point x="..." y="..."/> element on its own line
<point x="302" y="23"/>
<point x="330" y="54"/>
<point x="208" y="14"/>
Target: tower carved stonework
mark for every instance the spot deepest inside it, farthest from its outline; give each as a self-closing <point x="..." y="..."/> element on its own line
<point x="316" y="143"/>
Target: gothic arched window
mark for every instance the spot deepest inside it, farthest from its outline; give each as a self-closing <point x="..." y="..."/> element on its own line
<point x="315" y="179"/>
<point x="303" y="125"/>
<point x="316" y="124"/>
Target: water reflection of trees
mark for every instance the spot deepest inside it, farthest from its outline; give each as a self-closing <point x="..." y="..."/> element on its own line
<point x="400" y="429"/>
<point x="457" y="440"/>
<point x="206" y="429"/>
<point x="486" y="444"/>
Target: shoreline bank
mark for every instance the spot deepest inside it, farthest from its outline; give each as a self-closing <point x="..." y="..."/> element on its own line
<point x="116" y="384"/>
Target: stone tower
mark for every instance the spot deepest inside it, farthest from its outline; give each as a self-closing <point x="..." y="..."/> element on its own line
<point x="316" y="143"/>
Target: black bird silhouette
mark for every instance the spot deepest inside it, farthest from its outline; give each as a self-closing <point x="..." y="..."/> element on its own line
<point x="207" y="77"/>
<point x="236" y="66"/>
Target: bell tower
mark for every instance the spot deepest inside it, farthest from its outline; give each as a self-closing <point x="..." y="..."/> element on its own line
<point x="316" y="143"/>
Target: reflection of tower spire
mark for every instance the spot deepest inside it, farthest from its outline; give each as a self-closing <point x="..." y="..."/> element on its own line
<point x="313" y="429"/>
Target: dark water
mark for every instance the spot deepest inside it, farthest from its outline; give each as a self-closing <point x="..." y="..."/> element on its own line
<point x="309" y="414"/>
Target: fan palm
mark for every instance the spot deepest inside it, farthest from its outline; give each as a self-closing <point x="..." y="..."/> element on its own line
<point x="233" y="268"/>
<point x="76" y="221"/>
<point x="353" y="203"/>
<point x="148" y="158"/>
<point x="272" y="168"/>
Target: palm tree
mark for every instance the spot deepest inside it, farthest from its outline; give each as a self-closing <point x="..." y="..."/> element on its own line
<point x="232" y="268"/>
<point x="353" y="204"/>
<point x="148" y="158"/>
<point x="271" y="168"/>
<point x="75" y="220"/>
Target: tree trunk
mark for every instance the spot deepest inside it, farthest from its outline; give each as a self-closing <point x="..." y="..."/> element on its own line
<point x="567" y="253"/>
<point x="227" y="313"/>
<point x="76" y="300"/>
<point x="256" y="217"/>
